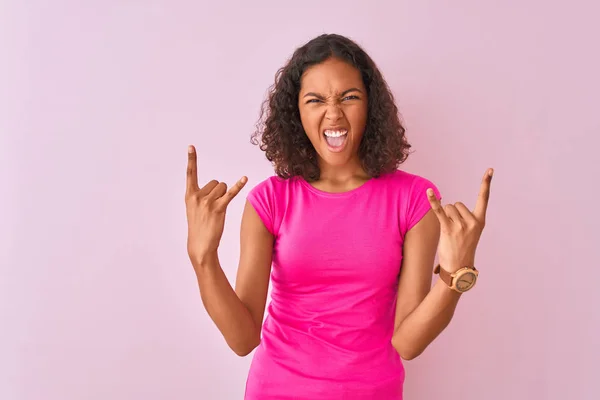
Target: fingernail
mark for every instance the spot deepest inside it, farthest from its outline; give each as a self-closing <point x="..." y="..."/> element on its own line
<point x="244" y="179"/>
<point x="430" y="192"/>
<point x="190" y="149"/>
<point x="491" y="173"/>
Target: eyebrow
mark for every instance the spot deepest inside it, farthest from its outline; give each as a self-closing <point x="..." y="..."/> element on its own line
<point x="345" y="92"/>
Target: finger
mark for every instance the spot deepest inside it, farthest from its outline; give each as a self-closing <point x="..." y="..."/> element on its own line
<point x="437" y="208"/>
<point x="453" y="214"/>
<point x="464" y="212"/>
<point x="231" y="193"/>
<point x="219" y="190"/>
<point x="192" y="172"/>
<point x="206" y="189"/>
<point x="484" y="196"/>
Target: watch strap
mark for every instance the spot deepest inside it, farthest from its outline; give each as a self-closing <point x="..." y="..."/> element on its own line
<point x="444" y="275"/>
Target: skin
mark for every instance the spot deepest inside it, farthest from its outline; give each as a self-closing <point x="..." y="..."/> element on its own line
<point x="236" y="313"/>
<point x="424" y="314"/>
<point x="332" y="94"/>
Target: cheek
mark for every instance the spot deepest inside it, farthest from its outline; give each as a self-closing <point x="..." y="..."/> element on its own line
<point x="357" y="117"/>
<point x="310" y="121"/>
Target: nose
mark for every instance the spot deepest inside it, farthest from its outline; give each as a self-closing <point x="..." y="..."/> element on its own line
<point x="334" y="112"/>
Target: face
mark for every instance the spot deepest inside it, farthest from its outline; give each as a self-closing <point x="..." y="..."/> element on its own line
<point x="333" y="110"/>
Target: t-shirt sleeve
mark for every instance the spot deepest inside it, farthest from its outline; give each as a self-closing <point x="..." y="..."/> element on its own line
<point x="261" y="197"/>
<point x="418" y="203"/>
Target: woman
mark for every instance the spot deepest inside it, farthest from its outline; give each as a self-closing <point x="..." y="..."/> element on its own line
<point x="347" y="239"/>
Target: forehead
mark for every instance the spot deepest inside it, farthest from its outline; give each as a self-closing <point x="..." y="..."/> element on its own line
<point x="330" y="76"/>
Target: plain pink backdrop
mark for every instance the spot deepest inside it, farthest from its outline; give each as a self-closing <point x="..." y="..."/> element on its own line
<point x="99" y="99"/>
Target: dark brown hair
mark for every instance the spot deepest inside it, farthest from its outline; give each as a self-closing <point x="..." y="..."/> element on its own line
<point x="279" y="132"/>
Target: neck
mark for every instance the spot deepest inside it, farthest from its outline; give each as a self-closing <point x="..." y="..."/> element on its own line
<point x="348" y="172"/>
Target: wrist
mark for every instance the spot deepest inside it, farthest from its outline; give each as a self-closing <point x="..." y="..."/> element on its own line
<point x="453" y="266"/>
<point x="205" y="260"/>
<point x="448" y="290"/>
<point x="461" y="279"/>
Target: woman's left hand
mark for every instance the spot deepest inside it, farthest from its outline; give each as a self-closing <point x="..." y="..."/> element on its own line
<point x="460" y="228"/>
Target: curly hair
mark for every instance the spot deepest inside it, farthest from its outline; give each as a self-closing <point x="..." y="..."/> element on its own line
<point x="279" y="131"/>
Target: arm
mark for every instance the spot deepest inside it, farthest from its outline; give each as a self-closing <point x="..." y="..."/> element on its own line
<point x="422" y="312"/>
<point x="238" y="314"/>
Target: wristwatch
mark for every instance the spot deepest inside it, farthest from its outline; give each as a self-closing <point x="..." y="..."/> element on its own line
<point x="461" y="281"/>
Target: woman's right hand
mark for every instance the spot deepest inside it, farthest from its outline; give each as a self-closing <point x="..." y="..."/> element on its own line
<point x="205" y="210"/>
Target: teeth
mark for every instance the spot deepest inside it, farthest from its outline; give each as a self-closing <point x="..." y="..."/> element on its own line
<point x="335" y="133"/>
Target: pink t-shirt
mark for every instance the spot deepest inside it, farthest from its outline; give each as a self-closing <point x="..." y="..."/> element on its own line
<point x="334" y="277"/>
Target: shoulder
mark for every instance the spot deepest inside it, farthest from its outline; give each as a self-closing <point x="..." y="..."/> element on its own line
<point x="272" y="191"/>
<point x="411" y="196"/>
<point x="270" y="186"/>
<point x="268" y="199"/>
<point x="407" y="182"/>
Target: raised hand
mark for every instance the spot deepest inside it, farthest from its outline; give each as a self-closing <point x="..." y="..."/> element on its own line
<point x="205" y="210"/>
<point x="460" y="228"/>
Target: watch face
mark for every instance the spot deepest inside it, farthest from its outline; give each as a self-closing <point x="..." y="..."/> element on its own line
<point x="466" y="281"/>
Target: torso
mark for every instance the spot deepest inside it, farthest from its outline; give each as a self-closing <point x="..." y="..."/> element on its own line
<point x="336" y="263"/>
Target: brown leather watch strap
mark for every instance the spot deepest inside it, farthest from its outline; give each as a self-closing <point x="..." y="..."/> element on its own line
<point x="444" y="275"/>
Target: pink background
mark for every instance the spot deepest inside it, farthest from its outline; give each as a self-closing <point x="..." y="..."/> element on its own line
<point x="100" y="99"/>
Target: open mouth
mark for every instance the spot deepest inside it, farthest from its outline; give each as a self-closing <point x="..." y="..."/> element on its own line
<point x="336" y="139"/>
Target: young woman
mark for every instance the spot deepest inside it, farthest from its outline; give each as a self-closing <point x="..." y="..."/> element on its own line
<point x="347" y="240"/>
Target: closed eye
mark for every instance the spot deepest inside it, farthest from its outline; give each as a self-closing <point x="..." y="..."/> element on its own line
<point x="351" y="97"/>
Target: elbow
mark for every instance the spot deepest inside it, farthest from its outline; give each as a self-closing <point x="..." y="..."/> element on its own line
<point x="409" y="355"/>
<point x="405" y="351"/>
<point x="243" y="349"/>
